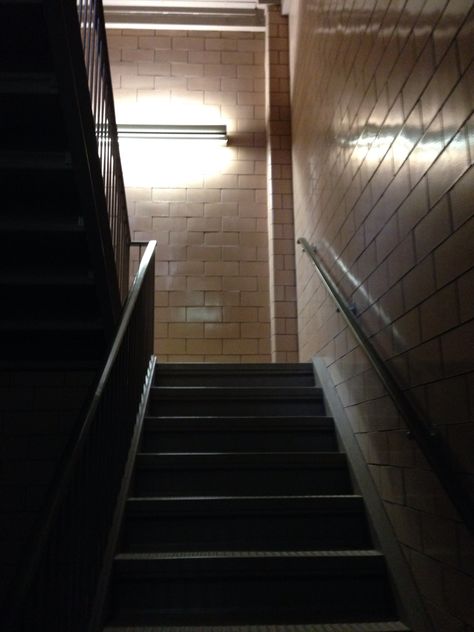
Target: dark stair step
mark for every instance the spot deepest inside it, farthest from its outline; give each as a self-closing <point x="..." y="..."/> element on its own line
<point x="242" y="474"/>
<point x="238" y="434"/>
<point x="42" y="276"/>
<point x="67" y="250"/>
<point x="49" y="302"/>
<point x="28" y="324"/>
<point x="363" y="626"/>
<point x="245" y="523"/>
<point x="24" y="41"/>
<point x="59" y="347"/>
<point x="256" y="587"/>
<point x="32" y="122"/>
<point x="234" y="375"/>
<point x="209" y="401"/>
<point x="34" y="83"/>
<point x="38" y="226"/>
<point x="55" y="161"/>
<point x="46" y="196"/>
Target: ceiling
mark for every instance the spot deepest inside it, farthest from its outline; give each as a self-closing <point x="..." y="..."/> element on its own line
<point x="187" y="14"/>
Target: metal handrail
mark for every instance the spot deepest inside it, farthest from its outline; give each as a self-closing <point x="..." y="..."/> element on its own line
<point x="426" y="437"/>
<point x="54" y="591"/>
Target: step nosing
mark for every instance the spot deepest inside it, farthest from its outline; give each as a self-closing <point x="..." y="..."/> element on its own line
<point x="282" y="454"/>
<point x="226" y="460"/>
<point x="224" y="555"/>
<point x="150" y="499"/>
<point x="245" y="422"/>
<point x="243" y="368"/>
<point x="360" y="626"/>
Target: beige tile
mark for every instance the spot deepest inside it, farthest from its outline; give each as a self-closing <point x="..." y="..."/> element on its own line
<point x="204" y="283"/>
<point x="154" y="42"/>
<point x="204" y="224"/>
<point x="170" y="346"/>
<point x="433" y="229"/>
<point x="188" y="298"/>
<point x="240" y="283"/>
<point x="454" y="256"/>
<point x="227" y="269"/>
<point x="457" y="346"/>
<point x="203" y="195"/>
<point x="170" y="314"/>
<point x="205" y="253"/>
<point x="440" y="312"/>
<point x="186" y="330"/>
<point x="242" y="346"/>
<point x="224" y="330"/>
<point x="465" y="286"/>
<point x="213" y="298"/>
<point x="240" y="314"/>
<point x="204" y="347"/>
<point x="188" y="43"/>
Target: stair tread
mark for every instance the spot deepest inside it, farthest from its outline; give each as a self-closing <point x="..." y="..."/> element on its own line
<point x="223" y="367"/>
<point x="41" y="226"/>
<point x="241" y="392"/>
<point x="218" y="420"/>
<point x="47" y="278"/>
<point x="363" y="626"/>
<point x="28" y="83"/>
<point x="281" y="505"/>
<point x="255" y="459"/>
<point x="51" y="325"/>
<point x="42" y="160"/>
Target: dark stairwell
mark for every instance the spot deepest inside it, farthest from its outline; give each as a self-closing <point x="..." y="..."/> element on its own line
<point x="241" y="510"/>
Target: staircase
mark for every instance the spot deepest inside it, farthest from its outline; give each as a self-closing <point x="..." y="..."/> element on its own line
<point x="60" y="299"/>
<point x="241" y="513"/>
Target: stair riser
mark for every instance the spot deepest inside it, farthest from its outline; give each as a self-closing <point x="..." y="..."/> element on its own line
<point x="48" y="195"/>
<point x="235" y="406"/>
<point x="256" y="597"/>
<point x="24" y="44"/>
<point x="251" y="481"/>
<point x="240" y="532"/>
<point x="54" y="346"/>
<point x="154" y="441"/>
<point x="70" y="302"/>
<point x="42" y="132"/>
<point x="234" y="379"/>
<point x="208" y="374"/>
<point x="45" y="250"/>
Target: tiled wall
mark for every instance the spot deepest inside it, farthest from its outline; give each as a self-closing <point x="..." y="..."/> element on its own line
<point x="205" y="206"/>
<point x="383" y="95"/>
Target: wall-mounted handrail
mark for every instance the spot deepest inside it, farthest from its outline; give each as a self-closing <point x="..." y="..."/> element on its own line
<point x="57" y="584"/>
<point x="420" y="430"/>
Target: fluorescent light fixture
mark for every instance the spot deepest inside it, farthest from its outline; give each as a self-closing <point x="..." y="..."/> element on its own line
<point x="219" y="15"/>
<point x="174" y="132"/>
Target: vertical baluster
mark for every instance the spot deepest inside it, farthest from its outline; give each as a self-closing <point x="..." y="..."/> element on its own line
<point x="88" y="41"/>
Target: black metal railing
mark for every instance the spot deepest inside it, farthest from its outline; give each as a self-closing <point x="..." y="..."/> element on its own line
<point x="419" y="428"/>
<point x="92" y="25"/>
<point x="60" y="577"/>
